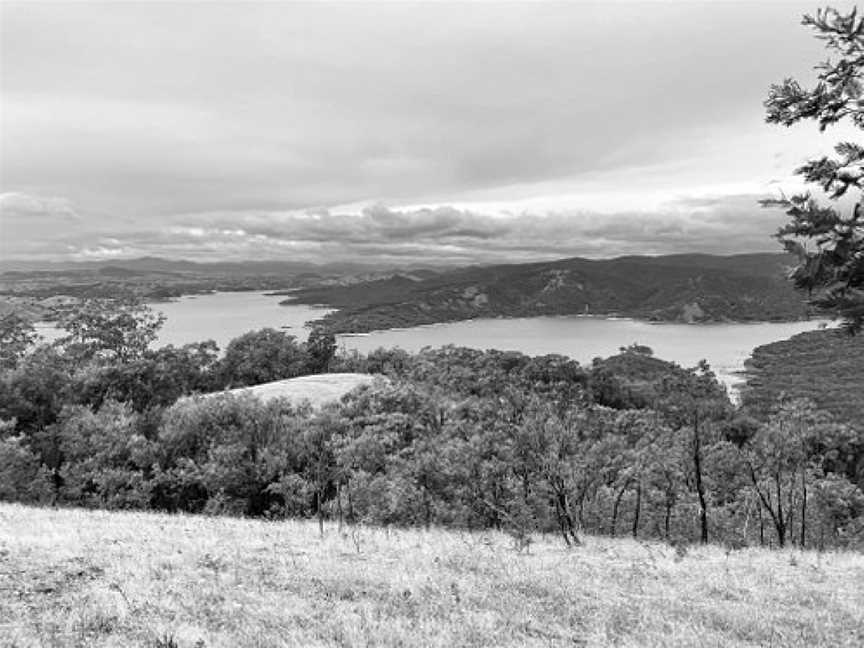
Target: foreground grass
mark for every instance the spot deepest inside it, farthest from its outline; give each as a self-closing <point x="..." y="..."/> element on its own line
<point x="81" y="578"/>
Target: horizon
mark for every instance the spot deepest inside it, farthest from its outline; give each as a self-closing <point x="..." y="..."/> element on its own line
<point x="360" y="266"/>
<point x="437" y="135"/>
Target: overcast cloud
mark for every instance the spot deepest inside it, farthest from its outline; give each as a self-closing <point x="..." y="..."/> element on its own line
<point x="447" y="133"/>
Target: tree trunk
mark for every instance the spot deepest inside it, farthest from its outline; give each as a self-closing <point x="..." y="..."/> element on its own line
<point x="320" y="507"/>
<point x="638" y="507"/>
<point x="779" y="521"/>
<point x="700" y="486"/>
<point x="427" y="510"/>
<point x="776" y="516"/>
<point x="667" y="518"/>
<point x="339" y="505"/>
<point x="761" y="526"/>
<point x="565" y="520"/>
<point x="803" y="509"/>
<point x="623" y="490"/>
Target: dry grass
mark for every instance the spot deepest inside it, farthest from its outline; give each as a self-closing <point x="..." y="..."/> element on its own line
<point x="317" y="389"/>
<point x="79" y="578"/>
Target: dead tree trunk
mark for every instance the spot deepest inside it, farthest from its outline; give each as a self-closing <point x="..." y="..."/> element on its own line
<point x="615" y="507"/>
<point x="700" y="486"/>
<point x="803" y="509"/>
<point x="638" y="508"/>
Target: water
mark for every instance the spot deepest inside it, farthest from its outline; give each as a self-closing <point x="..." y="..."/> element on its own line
<point x="221" y="317"/>
<point x="224" y="316"/>
<point x="724" y="346"/>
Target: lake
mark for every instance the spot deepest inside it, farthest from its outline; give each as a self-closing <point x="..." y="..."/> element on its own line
<point x="724" y="346"/>
<point x="221" y="317"/>
<point x="224" y="316"/>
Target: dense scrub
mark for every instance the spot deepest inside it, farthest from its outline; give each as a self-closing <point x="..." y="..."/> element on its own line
<point x="825" y="366"/>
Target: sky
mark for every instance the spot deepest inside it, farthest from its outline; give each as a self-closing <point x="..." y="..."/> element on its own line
<point x="396" y="133"/>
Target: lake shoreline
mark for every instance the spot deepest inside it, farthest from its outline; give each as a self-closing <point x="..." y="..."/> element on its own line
<point x="222" y="316"/>
<point x="598" y="317"/>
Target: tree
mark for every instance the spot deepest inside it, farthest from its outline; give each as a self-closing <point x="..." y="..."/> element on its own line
<point x="692" y="399"/>
<point x="776" y="459"/>
<point x="319" y="453"/>
<point x="22" y="477"/>
<point x="105" y="458"/>
<point x="831" y="270"/>
<point x="787" y="461"/>
<point x="17" y="335"/>
<point x="228" y="453"/>
<point x="156" y="379"/>
<point x="35" y="391"/>
<point x="321" y="348"/>
<point x="262" y="356"/>
<point x="109" y="329"/>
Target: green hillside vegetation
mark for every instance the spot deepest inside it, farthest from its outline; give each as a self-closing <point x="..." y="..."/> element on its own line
<point x="824" y="366"/>
<point x="74" y="578"/>
<point x="454" y="437"/>
<point x="690" y="288"/>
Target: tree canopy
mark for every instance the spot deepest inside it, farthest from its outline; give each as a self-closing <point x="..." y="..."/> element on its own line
<point x="828" y="241"/>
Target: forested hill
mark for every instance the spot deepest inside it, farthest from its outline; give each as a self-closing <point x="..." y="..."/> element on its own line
<point x="687" y="288"/>
<point x="826" y="367"/>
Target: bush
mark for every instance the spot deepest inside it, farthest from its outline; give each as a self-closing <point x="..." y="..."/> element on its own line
<point x="262" y="356"/>
<point x="22" y="477"/>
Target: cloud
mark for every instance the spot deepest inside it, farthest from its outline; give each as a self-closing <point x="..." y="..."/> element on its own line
<point x="29" y="223"/>
<point x="153" y="110"/>
<point x="442" y="235"/>
<point x="443" y="133"/>
<point x="21" y="206"/>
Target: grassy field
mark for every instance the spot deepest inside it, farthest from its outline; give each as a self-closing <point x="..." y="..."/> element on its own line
<point x="80" y="578"/>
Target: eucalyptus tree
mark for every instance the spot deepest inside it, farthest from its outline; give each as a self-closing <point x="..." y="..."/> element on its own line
<point x="114" y="330"/>
<point x="783" y="467"/>
<point x="17" y="336"/>
<point x="691" y="400"/>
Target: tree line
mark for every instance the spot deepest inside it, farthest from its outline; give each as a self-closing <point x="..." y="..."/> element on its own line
<point x="449" y="437"/>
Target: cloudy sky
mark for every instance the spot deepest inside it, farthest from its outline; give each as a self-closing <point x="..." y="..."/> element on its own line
<point x="395" y="133"/>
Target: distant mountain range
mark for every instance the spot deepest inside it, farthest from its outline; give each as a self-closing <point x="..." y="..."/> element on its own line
<point x="173" y="266"/>
<point x="684" y="287"/>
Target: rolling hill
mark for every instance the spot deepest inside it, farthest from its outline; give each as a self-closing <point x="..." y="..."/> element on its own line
<point x="317" y="389"/>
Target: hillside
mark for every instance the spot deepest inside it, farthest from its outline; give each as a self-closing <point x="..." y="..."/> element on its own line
<point x="825" y="366"/>
<point x="32" y="289"/>
<point x="688" y="288"/>
<point x="75" y="578"/>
